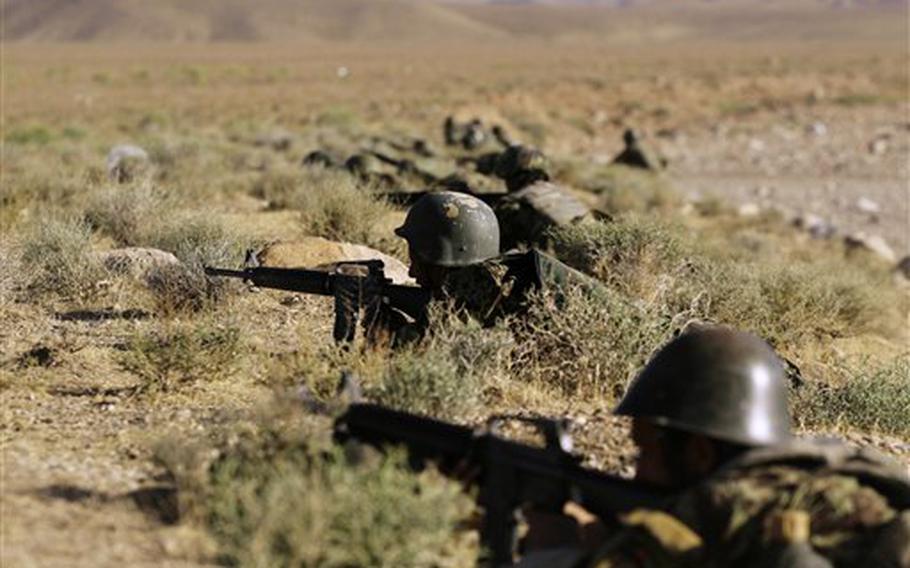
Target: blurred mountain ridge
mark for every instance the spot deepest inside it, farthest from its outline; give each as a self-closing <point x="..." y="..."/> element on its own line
<point x="621" y="21"/>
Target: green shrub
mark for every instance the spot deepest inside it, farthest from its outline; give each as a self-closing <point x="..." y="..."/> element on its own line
<point x="785" y="303"/>
<point x="869" y="397"/>
<point x="332" y="203"/>
<point x="197" y="239"/>
<point x="177" y="357"/>
<point x="626" y="254"/>
<point x="588" y="345"/>
<point x="57" y="258"/>
<point x="38" y="135"/>
<point x="328" y="512"/>
<point x="334" y="206"/>
<point x="281" y="495"/>
<point x="126" y="214"/>
<point x="446" y="376"/>
<point x="181" y="288"/>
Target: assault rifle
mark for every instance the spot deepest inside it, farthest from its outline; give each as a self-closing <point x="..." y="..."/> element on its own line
<point x="509" y="474"/>
<point x="356" y="286"/>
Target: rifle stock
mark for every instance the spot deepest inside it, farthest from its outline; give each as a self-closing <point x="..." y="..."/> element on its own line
<point x="511" y="474"/>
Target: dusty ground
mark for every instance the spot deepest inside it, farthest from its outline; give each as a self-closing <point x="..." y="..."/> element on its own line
<point x="824" y="164"/>
<point x="78" y="486"/>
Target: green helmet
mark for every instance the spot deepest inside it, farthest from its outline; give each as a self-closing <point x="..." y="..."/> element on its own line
<point x="448" y="228"/>
<point x="726" y="384"/>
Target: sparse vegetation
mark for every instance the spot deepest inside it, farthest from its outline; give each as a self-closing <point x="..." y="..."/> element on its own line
<point x="180" y="355"/>
<point x="622" y="189"/>
<point x="197" y="239"/>
<point x="279" y="495"/>
<point x="57" y="259"/>
<point x="274" y="491"/>
<point x="589" y="347"/>
<point x="9" y="271"/>
<point x="126" y="214"/>
<point x="332" y="205"/>
<point x="865" y="397"/>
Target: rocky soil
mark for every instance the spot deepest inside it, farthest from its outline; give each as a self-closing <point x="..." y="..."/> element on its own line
<point x="848" y="168"/>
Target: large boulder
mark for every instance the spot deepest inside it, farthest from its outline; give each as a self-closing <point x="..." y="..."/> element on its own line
<point x="316" y="252"/>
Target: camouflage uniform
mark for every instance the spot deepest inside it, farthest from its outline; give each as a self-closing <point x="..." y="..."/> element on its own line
<point x="825" y="504"/>
<point x="501" y="286"/>
<point x="526" y="215"/>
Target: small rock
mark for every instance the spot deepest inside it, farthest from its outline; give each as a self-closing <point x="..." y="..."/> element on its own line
<point x="764" y="191"/>
<point x="125" y="162"/>
<point x="343" y="72"/>
<point x="278" y="140"/>
<point x="749" y="210"/>
<point x="866" y="205"/>
<point x="818" y="129"/>
<point x="874" y="244"/>
<point x="756" y="145"/>
<point x="878" y="146"/>
<point x="816" y="226"/>
<point x="135" y="261"/>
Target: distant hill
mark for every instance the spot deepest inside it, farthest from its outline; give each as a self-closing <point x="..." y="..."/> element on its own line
<point x="618" y="21"/>
<point x="236" y="20"/>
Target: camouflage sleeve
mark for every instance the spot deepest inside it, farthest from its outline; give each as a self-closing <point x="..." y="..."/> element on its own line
<point x="649" y="539"/>
<point x="738" y="516"/>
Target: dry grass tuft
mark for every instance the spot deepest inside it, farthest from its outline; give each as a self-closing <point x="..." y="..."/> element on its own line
<point x="867" y="397"/>
<point x="182" y="354"/>
<point x="278" y="495"/>
<point x="126" y="214"/>
<point x="589" y="346"/>
<point x="332" y="204"/>
<point x="56" y="258"/>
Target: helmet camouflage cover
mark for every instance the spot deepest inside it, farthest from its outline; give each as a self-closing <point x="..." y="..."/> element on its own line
<point x="448" y="228"/>
<point x="715" y="381"/>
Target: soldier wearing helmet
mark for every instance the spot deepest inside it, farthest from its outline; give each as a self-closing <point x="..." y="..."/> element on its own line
<point x="710" y="419"/>
<point x="454" y="248"/>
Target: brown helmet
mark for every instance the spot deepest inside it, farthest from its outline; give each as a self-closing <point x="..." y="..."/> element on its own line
<point x="726" y="384"/>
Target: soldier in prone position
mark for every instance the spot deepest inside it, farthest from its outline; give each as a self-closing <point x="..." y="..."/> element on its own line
<point x="710" y="419"/>
<point x="453" y="243"/>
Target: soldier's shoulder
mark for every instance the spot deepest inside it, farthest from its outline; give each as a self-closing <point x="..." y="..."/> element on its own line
<point x="851" y="498"/>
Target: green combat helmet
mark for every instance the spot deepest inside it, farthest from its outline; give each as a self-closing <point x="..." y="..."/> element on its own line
<point x="451" y="229"/>
<point x="726" y="384"/>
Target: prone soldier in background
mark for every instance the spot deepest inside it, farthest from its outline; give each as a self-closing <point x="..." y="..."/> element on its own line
<point x="710" y="420"/>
